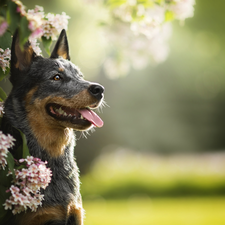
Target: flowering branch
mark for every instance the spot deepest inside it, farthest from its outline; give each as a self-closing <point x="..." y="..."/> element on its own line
<point x="28" y="175"/>
<point x="138" y="31"/>
<point x="33" y="24"/>
<point x="6" y="142"/>
<point x="25" y="193"/>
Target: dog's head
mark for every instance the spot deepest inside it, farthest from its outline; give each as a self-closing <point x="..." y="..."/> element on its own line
<point x="53" y="90"/>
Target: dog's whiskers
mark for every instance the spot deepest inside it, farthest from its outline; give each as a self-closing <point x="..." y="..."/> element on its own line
<point x="103" y="104"/>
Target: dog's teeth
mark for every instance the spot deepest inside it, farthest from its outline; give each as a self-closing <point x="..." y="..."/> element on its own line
<point x="81" y="117"/>
<point x="60" y="111"/>
<point x="64" y="114"/>
<point x="70" y="115"/>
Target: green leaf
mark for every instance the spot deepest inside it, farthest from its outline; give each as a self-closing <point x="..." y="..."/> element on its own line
<point x="3" y="95"/>
<point x="115" y="3"/>
<point x="147" y="3"/>
<point x="46" y="44"/>
<point x="5" y="184"/>
<point x="4" y="214"/>
<point x="3" y="74"/>
<point x="6" y="40"/>
<point x="159" y="2"/>
<point x="25" y="147"/>
<point x="12" y="16"/>
<point x="169" y="16"/>
<point x="2" y="201"/>
<point x="5" y="180"/>
<point x="18" y="153"/>
<point x="3" y="2"/>
<point x="11" y="164"/>
<point x="21" y="167"/>
<point x="22" y="151"/>
<point x="24" y="31"/>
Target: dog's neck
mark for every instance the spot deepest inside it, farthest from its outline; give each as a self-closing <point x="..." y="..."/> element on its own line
<point x="52" y="140"/>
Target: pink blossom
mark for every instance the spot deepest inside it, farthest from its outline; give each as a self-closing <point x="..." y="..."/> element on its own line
<point x="6" y="142"/>
<point x="20" y="7"/>
<point x="7" y="204"/>
<point x="14" y="189"/>
<point x="36" y="19"/>
<point x="24" y="173"/>
<point x="17" y="209"/>
<point x="35" y="45"/>
<point x="25" y="192"/>
<point x="3" y="27"/>
<point x="21" y="160"/>
<point x="29" y="160"/>
<point x="49" y="25"/>
<point x="53" y="24"/>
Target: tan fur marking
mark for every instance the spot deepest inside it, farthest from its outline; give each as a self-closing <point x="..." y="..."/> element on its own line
<point x="76" y="210"/>
<point x="43" y="215"/>
<point x="61" y="69"/>
<point x="62" y="52"/>
<point x="51" y="134"/>
<point x="23" y="57"/>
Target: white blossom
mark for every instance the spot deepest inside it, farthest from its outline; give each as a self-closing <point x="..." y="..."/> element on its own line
<point x="182" y="9"/>
<point x="6" y="142"/>
<point x="25" y="191"/>
<point x="5" y="56"/>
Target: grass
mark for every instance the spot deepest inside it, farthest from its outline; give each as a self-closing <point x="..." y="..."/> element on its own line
<point x="127" y="183"/>
<point x="123" y="173"/>
<point x="158" y="211"/>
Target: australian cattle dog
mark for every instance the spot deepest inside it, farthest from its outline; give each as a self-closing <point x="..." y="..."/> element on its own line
<point x="49" y="100"/>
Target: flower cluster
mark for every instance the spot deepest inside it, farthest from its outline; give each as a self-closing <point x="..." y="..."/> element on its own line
<point x="135" y="50"/>
<point x="5" y="56"/>
<point x="54" y="24"/>
<point x="153" y="14"/>
<point x="39" y="24"/>
<point x="35" y="17"/>
<point x="25" y="193"/>
<point x="34" y="175"/>
<point x="49" y="25"/>
<point x="6" y="142"/>
<point x="145" y="31"/>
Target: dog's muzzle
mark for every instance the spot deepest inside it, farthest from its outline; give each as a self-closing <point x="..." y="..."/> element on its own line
<point x="96" y="90"/>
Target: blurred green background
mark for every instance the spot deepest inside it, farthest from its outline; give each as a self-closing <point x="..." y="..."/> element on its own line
<point x="159" y="159"/>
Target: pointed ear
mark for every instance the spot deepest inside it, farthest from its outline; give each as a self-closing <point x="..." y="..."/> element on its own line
<point x="21" y="58"/>
<point x="61" y="47"/>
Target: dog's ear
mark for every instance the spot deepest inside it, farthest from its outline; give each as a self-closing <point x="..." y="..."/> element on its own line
<point x="61" y="47"/>
<point x="21" y="58"/>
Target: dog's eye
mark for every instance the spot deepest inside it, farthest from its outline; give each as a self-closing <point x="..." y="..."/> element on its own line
<point x="57" y="77"/>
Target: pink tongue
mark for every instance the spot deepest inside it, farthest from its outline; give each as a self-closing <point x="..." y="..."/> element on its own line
<point x="91" y="116"/>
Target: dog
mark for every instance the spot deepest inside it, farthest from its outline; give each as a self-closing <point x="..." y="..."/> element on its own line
<point x="49" y="100"/>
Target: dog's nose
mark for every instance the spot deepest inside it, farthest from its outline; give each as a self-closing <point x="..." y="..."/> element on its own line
<point x="96" y="90"/>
